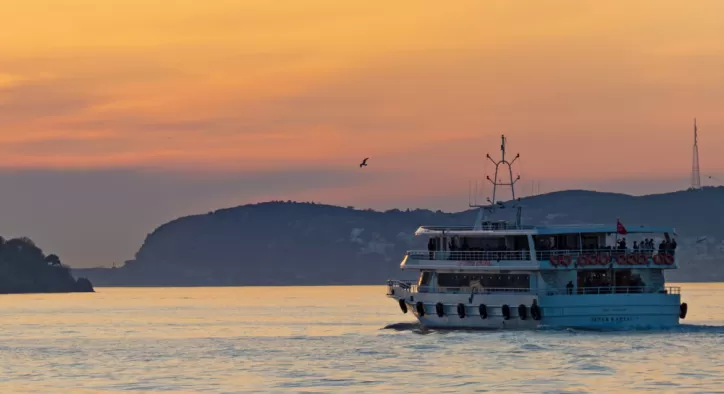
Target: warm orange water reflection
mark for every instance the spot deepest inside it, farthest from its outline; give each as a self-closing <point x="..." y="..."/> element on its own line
<point x="328" y="339"/>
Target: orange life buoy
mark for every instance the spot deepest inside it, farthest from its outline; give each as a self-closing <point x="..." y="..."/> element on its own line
<point x="657" y="259"/>
<point x="587" y="259"/>
<point x="554" y="260"/>
<point x="566" y="260"/>
<point x="583" y="260"/>
<point x="591" y="259"/>
<point x="603" y="259"/>
<point x="642" y="259"/>
<point x="561" y="260"/>
<point x="632" y="260"/>
<point x="669" y="259"/>
<point x="621" y="259"/>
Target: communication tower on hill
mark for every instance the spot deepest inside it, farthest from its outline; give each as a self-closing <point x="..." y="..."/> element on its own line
<point x="695" y="176"/>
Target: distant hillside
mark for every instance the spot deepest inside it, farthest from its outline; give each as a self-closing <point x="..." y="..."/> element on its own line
<point x="287" y="243"/>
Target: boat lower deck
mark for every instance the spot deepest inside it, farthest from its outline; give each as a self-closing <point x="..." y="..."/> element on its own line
<point x="597" y="308"/>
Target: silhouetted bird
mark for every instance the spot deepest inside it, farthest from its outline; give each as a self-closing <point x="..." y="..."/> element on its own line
<point x="364" y="162"/>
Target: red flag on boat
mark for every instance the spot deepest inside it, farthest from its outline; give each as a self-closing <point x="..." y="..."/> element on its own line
<point x="620" y="229"/>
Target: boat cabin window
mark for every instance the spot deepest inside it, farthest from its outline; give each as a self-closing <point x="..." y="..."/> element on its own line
<point x="626" y="278"/>
<point x="496" y="225"/>
<point x="593" y="241"/>
<point x="519" y="242"/>
<point x="499" y="281"/>
<point x="594" y="278"/>
<point x="434" y="243"/>
<point x="626" y="281"/>
<point x="556" y="242"/>
<point x="425" y="278"/>
<point x="492" y="244"/>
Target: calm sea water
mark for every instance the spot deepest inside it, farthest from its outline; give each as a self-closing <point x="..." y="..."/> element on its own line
<point x="330" y="339"/>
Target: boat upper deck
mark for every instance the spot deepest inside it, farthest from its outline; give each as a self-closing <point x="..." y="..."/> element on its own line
<point x="501" y="245"/>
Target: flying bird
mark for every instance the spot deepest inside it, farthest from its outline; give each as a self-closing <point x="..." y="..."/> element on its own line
<point x="364" y="162"/>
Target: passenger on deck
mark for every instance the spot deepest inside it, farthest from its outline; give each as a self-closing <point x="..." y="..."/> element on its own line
<point x="431" y="248"/>
<point x="569" y="287"/>
<point x="635" y="246"/>
<point x="453" y="250"/>
<point x="672" y="246"/>
<point x="663" y="246"/>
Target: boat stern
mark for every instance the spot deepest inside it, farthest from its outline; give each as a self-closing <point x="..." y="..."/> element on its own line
<point x="612" y="310"/>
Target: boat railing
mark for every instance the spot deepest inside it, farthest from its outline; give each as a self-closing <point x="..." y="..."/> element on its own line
<point x="406" y="285"/>
<point x="611" y="253"/>
<point x="485" y="226"/>
<point x="541" y="255"/>
<point x="403" y="284"/>
<point x="613" y="290"/>
<point x="492" y="226"/>
<point x="516" y="255"/>
<point x="412" y="287"/>
<point x="473" y="290"/>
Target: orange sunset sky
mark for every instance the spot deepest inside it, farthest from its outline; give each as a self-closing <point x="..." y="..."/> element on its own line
<point x="123" y="114"/>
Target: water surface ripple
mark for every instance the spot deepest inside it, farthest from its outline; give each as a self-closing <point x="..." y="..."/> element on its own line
<point x="331" y="339"/>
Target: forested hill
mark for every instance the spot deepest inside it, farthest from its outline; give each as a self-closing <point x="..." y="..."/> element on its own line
<point x="288" y="243"/>
<point x="24" y="268"/>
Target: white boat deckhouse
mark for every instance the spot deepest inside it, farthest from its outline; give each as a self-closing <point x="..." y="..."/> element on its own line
<point x="503" y="274"/>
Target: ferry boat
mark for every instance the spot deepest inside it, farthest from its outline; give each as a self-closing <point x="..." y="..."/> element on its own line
<point x="503" y="274"/>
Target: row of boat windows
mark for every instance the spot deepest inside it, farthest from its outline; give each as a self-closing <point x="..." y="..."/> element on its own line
<point x="592" y="278"/>
<point x="503" y="281"/>
<point x="478" y="244"/>
<point x="518" y="243"/>
<point x="603" y="278"/>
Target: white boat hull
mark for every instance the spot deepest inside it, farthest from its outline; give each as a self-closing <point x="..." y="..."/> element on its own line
<point x="600" y="311"/>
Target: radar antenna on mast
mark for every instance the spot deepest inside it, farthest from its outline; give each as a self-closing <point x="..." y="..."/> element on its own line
<point x="494" y="204"/>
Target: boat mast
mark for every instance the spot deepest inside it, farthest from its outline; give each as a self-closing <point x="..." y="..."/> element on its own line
<point x="496" y="182"/>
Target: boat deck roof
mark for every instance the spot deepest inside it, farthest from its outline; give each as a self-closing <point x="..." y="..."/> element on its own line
<point x="538" y="230"/>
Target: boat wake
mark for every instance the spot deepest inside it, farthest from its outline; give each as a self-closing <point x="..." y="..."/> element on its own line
<point x="418" y="328"/>
<point x="415" y="327"/>
<point x="403" y="326"/>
